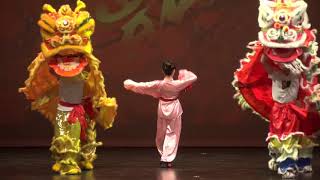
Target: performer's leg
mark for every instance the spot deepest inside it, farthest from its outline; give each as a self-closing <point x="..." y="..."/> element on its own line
<point x="305" y="155"/>
<point x="65" y="146"/>
<point x="288" y="154"/>
<point x="171" y="141"/>
<point x="161" y="133"/>
<point x="88" y="148"/>
<point x="274" y="147"/>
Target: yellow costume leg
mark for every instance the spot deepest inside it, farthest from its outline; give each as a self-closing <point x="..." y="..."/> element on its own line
<point x="285" y="154"/>
<point x="274" y="153"/>
<point x="296" y="147"/>
<point x="65" y="146"/>
<point x="88" y="149"/>
<point x="305" y="155"/>
<point x="307" y="146"/>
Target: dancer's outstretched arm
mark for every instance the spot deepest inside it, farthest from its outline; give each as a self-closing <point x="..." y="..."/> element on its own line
<point x="147" y="88"/>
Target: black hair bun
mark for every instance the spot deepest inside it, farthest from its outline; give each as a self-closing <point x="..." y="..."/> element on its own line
<point x="168" y="68"/>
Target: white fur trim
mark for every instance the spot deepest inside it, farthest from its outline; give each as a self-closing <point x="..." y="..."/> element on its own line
<point x="295" y="44"/>
<point x="64" y="108"/>
<point x="284" y="137"/>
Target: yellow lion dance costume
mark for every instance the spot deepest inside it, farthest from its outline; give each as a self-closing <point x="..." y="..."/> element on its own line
<point x="73" y="97"/>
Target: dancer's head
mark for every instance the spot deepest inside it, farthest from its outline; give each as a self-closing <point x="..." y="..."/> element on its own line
<point x="168" y="68"/>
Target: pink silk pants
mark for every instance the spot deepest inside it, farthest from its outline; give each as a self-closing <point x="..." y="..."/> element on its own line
<point x="167" y="138"/>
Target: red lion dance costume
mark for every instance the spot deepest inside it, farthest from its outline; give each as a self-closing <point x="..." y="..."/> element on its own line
<point x="278" y="81"/>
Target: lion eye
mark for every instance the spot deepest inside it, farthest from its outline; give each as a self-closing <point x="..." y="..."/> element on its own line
<point x="65" y="22"/>
<point x="282" y="18"/>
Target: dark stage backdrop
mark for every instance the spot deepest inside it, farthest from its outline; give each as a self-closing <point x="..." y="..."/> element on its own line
<point x="132" y="38"/>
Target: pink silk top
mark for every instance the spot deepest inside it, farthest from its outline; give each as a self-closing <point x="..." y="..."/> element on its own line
<point x="167" y="91"/>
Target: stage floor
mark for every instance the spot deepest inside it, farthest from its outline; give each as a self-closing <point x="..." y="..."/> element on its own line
<point x="142" y="164"/>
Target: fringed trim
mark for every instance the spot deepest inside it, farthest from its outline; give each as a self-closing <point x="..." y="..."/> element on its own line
<point x="64" y="144"/>
<point x="69" y="161"/>
<point x="284" y="137"/>
<point x="108" y="106"/>
<point x="288" y="148"/>
<point x="241" y="101"/>
<point x="238" y="96"/>
<point x="88" y="151"/>
<point x="107" y="113"/>
<point x="293" y="146"/>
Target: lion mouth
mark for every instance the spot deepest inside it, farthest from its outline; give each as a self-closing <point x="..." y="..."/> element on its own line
<point x="68" y="65"/>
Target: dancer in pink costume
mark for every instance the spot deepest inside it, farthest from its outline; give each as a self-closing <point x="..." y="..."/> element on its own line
<point x="169" y="108"/>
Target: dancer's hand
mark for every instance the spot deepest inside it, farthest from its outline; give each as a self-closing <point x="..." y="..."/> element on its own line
<point x="128" y="84"/>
